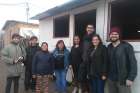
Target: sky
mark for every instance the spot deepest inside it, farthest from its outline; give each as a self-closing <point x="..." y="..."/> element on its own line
<point x="16" y="9"/>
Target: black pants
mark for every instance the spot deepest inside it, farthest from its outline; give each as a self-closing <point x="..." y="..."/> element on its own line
<point x="29" y="81"/>
<point x="14" y="79"/>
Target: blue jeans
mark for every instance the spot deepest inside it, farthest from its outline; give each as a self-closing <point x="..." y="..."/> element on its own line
<point x="61" y="80"/>
<point x="97" y="85"/>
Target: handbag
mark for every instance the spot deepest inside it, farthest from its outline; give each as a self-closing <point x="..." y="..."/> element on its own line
<point x="69" y="75"/>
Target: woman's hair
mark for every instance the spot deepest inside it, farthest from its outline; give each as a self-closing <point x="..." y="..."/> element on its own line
<point x="45" y="44"/>
<point x="96" y="35"/>
<point x="58" y="42"/>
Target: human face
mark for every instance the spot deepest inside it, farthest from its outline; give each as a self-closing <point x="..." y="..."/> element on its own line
<point x="16" y="40"/>
<point x="76" y="40"/>
<point x="44" y="47"/>
<point x="114" y="37"/>
<point x="34" y="42"/>
<point x="61" y="45"/>
<point x="90" y="29"/>
<point x="95" y="41"/>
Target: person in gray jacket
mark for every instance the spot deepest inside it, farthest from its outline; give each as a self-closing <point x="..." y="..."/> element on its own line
<point x="13" y="56"/>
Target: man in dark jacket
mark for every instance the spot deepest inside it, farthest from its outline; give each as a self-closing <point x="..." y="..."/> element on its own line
<point x="90" y="31"/>
<point x="122" y="64"/>
<point x="31" y="51"/>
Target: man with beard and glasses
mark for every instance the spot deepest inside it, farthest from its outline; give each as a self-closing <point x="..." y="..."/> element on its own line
<point x="122" y="69"/>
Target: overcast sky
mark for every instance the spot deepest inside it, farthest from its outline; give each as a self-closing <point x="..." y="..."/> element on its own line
<point x="16" y="9"/>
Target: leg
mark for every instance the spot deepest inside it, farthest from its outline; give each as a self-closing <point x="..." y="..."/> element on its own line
<point x="100" y="86"/>
<point x="16" y="84"/>
<point x="124" y="89"/>
<point x="38" y="84"/>
<point x="8" y="84"/>
<point x="45" y="84"/>
<point x="58" y="79"/>
<point x="63" y="80"/>
<point x="112" y="87"/>
<point x="33" y="84"/>
<point x="27" y="81"/>
<point x="93" y="85"/>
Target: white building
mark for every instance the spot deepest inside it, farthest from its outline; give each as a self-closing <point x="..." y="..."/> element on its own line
<point x="64" y="21"/>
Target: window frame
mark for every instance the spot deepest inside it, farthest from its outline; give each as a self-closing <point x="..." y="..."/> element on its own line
<point x="54" y="26"/>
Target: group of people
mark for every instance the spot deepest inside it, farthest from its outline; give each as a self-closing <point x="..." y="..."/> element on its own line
<point x="92" y="62"/>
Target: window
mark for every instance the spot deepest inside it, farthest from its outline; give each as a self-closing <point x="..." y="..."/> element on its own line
<point x="125" y="13"/>
<point x="61" y="26"/>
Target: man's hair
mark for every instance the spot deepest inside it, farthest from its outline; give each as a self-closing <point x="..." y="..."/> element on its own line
<point x="33" y="37"/>
<point x="15" y="35"/>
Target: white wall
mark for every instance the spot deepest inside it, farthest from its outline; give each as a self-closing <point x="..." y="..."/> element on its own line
<point x="46" y="31"/>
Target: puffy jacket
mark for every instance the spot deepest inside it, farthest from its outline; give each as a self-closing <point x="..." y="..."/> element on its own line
<point x="126" y="62"/>
<point x="9" y="54"/>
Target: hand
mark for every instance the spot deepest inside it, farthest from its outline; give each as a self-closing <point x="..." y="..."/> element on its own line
<point x="20" y="59"/>
<point x="33" y="76"/>
<point x="129" y="83"/>
<point x="15" y="61"/>
<point x="103" y="77"/>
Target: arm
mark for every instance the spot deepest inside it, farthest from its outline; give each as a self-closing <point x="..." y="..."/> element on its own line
<point x="34" y="63"/>
<point x="5" y="56"/>
<point x="132" y="63"/>
<point x="51" y="64"/>
<point x="105" y="60"/>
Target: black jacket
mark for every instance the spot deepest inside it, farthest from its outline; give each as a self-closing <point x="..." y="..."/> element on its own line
<point x="76" y="56"/>
<point x="125" y="60"/>
<point x="31" y="51"/>
<point x="97" y="59"/>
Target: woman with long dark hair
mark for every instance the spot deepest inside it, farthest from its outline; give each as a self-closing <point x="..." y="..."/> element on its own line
<point x="42" y="68"/>
<point x="61" y="58"/>
<point x="75" y="61"/>
<point x="97" y="68"/>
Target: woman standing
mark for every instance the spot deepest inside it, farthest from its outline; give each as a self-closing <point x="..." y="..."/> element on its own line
<point x="75" y="61"/>
<point x="42" y="68"/>
<point x="97" y="58"/>
<point x="61" y="56"/>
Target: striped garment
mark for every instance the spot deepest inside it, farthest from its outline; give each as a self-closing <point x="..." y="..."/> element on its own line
<point x="42" y="84"/>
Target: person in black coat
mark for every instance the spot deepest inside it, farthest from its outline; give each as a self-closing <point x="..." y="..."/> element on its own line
<point x="75" y="61"/>
<point x="31" y="51"/>
<point x="97" y="67"/>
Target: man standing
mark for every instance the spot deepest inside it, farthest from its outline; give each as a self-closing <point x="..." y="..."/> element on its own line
<point x="90" y="31"/>
<point x="31" y="51"/>
<point x="122" y="64"/>
<point x="13" y="56"/>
